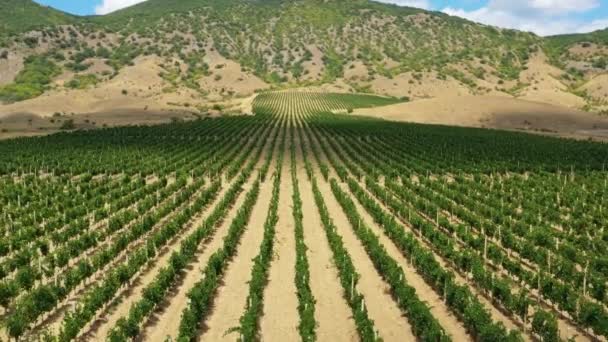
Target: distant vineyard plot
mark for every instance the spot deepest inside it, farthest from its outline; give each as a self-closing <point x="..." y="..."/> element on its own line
<point x="303" y="222"/>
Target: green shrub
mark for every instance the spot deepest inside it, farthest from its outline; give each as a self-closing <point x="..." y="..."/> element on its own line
<point x="83" y="81"/>
<point x="32" y="81"/>
<point x="68" y="125"/>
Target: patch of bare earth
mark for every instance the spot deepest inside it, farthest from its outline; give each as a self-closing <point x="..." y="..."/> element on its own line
<point x="231" y="297"/>
<point x="382" y="309"/>
<point x="438" y="308"/>
<point x="493" y="112"/>
<point x="10" y="67"/>
<point x="544" y="85"/>
<point x="385" y="313"/>
<point x="334" y="317"/>
<point x="313" y="69"/>
<point x="228" y="76"/>
<point x="100" y="329"/>
<point x="247" y="104"/>
<point x="165" y="322"/>
<point x="597" y="87"/>
<point x="424" y="85"/>
<point x="280" y="319"/>
<point x="133" y="89"/>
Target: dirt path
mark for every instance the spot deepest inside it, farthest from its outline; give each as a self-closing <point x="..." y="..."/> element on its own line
<point x="54" y="321"/>
<point x="230" y="300"/>
<point x="566" y="328"/>
<point x="280" y="319"/>
<point x="120" y="308"/>
<point x="495" y="313"/>
<point x="331" y="310"/>
<point x="165" y="322"/>
<point x="382" y="309"/>
<point x="425" y="292"/>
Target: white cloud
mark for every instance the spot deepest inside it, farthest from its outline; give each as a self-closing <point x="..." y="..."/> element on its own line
<point x="108" y="6"/>
<point x="544" y="17"/>
<point x="425" y="4"/>
<point x="549" y="7"/>
<point x="594" y="25"/>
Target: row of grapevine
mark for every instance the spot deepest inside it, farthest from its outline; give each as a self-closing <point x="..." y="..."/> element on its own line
<point x="306" y="299"/>
<point x="249" y="321"/>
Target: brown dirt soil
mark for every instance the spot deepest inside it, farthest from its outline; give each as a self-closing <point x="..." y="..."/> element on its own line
<point x="314" y="67"/>
<point x="356" y="71"/>
<point x="438" y="308"/>
<point x="19" y="125"/>
<point x="247" y="104"/>
<point x="280" y="319"/>
<point x="228" y="76"/>
<point x="10" y="67"/>
<point x="145" y="102"/>
<point x="121" y="309"/>
<point x="495" y="112"/>
<point x="165" y="323"/>
<point x="382" y="309"/>
<point x="332" y="313"/>
<point x="579" y="50"/>
<point x="428" y="86"/>
<point x="388" y="318"/>
<point x="544" y="85"/>
<point x="231" y="298"/>
<point x="597" y="87"/>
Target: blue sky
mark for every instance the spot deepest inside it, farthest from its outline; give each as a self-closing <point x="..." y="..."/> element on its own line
<point x="543" y="17"/>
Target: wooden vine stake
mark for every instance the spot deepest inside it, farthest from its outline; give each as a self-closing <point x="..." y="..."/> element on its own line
<point x="585" y="280"/>
<point x="485" y="248"/>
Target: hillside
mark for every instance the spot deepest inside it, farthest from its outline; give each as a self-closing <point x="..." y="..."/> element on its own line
<point x="206" y="55"/>
<point x="22" y="16"/>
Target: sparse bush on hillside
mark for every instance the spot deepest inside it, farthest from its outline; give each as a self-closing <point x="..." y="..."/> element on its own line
<point x="83" y="81"/>
<point x="31" y="42"/>
<point x="77" y="67"/>
<point x="4" y="54"/>
<point x="32" y="81"/>
<point x="68" y="125"/>
<point x="600" y="63"/>
<point x="103" y="52"/>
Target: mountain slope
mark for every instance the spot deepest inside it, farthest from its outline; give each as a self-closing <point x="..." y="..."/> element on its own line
<point x="216" y="50"/>
<point x="21" y="16"/>
<point x="272" y="35"/>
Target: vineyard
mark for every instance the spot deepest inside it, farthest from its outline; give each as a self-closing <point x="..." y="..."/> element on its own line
<point x="303" y="222"/>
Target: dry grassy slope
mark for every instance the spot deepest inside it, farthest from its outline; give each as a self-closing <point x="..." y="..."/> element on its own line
<point x="499" y="112"/>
